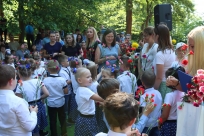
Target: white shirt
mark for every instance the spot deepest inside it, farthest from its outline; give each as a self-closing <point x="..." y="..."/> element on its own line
<point x="150" y="55"/>
<point x="86" y="106"/>
<point x="15" y="117"/>
<point x="66" y="73"/>
<point x="42" y="64"/>
<point x="156" y="113"/>
<point x="172" y="98"/>
<point x="40" y="71"/>
<point x="29" y="90"/>
<point x="111" y="133"/>
<point x="128" y="82"/>
<point x="75" y="85"/>
<point x="93" y="87"/>
<point x="166" y="59"/>
<point x="55" y="85"/>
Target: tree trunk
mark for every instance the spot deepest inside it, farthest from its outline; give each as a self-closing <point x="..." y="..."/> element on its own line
<point x="129" y="7"/>
<point x="1" y="6"/>
<point x="21" y="23"/>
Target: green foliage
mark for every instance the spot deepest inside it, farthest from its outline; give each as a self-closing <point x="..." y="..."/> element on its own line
<point x="71" y="14"/>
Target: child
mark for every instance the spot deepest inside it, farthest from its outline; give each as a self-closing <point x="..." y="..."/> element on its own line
<point x="66" y="74"/>
<point x="148" y="79"/>
<point x="121" y="110"/>
<point x="9" y="60"/>
<point x="57" y="87"/>
<point x="169" y="113"/>
<point x="93" y="87"/>
<point x="30" y="90"/>
<point x="16" y="119"/>
<point x="74" y="64"/>
<point x="86" y="124"/>
<point x="112" y="85"/>
<point x="39" y="71"/>
<point x="128" y="81"/>
<point x="109" y="72"/>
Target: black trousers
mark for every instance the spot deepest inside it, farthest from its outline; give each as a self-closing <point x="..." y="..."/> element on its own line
<point x="53" y="112"/>
<point x="30" y="38"/>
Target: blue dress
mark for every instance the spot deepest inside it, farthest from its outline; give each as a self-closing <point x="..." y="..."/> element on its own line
<point x="106" y="51"/>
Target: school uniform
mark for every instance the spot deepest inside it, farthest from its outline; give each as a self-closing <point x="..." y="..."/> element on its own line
<point x="16" y="119"/>
<point x="73" y="112"/>
<point x="99" y="113"/>
<point x="86" y="124"/>
<point x="55" y="102"/>
<point x="128" y="82"/>
<point x="111" y="133"/>
<point x="155" y="114"/>
<point x="168" y="128"/>
<point x="39" y="72"/>
<point x="66" y="74"/>
<point x="32" y="96"/>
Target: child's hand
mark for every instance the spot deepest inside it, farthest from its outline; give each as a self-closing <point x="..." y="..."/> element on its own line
<point x="34" y="108"/>
<point x="148" y="109"/>
<point x="133" y="133"/>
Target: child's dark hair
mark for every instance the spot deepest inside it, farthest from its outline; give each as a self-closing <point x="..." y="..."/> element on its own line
<point x="148" y="78"/>
<point x="62" y="58"/>
<point x="26" y="67"/>
<point x="7" y="73"/>
<point x="111" y="71"/>
<point x="53" y="66"/>
<point x="92" y="67"/>
<point x="107" y="87"/>
<point x="7" y="57"/>
<point x="120" y="108"/>
<point x="125" y="59"/>
<point x="173" y="72"/>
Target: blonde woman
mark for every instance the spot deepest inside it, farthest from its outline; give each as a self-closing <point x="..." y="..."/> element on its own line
<point x="195" y="44"/>
<point x="71" y="48"/>
<point x="91" y="43"/>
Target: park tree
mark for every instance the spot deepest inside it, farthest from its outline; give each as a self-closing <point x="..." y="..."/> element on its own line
<point x="131" y="16"/>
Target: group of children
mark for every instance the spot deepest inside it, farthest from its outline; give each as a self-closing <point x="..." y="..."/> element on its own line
<point x="70" y="88"/>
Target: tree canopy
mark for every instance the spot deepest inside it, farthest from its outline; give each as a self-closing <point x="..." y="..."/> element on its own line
<point x="130" y="15"/>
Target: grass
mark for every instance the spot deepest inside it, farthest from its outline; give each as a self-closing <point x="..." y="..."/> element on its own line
<point x="70" y="130"/>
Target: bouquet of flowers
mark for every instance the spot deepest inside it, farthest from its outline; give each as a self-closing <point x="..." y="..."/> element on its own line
<point x="195" y="92"/>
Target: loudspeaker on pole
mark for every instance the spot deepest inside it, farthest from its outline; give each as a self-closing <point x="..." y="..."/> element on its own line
<point x="163" y="14"/>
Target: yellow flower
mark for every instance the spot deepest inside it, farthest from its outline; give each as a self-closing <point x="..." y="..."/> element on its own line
<point x="173" y="41"/>
<point x="135" y="45"/>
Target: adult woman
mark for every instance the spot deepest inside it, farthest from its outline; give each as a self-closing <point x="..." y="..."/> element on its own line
<point x="107" y="53"/>
<point x="195" y="44"/>
<point x="71" y="48"/>
<point x="58" y="38"/>
<point x="92" y="42"/>
<point x="163" y="59"/>
<point x="149" y="50"/>
<point x="79" y="38"/>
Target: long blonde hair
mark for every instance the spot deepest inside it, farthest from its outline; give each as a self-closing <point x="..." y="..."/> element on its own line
<point x="88" y="44"/>
<point x="195" y="61"/>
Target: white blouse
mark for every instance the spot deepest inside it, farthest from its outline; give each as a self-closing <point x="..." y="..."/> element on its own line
<point x="148" y="57"/>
